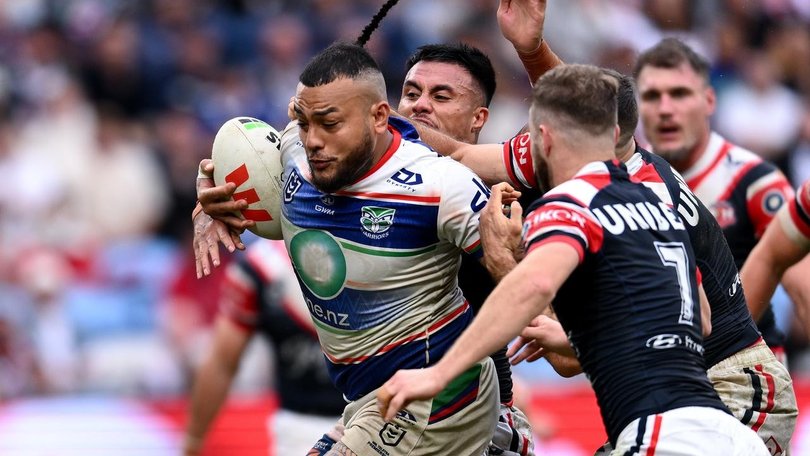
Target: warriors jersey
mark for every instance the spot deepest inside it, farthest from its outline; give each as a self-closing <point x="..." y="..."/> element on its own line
<point x="631" y="307"/>
<point x="261" y="293"/>
<point x="732" y="326"/>
<point x="795" y="218"/>
<point x="378" y="260"/>
<point x="744" y="193"/>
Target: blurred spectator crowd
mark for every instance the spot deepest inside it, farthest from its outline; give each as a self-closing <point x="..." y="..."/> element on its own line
<point x="107" y="107"/>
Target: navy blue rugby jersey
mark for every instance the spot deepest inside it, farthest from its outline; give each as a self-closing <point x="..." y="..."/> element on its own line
<point x="631" y="308"/>
<point x="733" y="329"/>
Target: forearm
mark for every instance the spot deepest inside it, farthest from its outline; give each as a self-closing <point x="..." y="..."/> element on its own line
<point x="211" y="386"/>
<point x="509" y="308"/>
<point x="539" y="61"/>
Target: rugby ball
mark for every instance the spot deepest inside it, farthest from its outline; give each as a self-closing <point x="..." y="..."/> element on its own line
<point x="247" y="152"/>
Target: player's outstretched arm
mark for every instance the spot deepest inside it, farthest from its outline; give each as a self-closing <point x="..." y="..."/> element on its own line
<point x="524" y="293"/>
<point x="213" y="380"/>
<point x="485" y="160"/>
<point x="797" y="287"/>
<point x="521" y="23"/>
<point x="766" y="264"/>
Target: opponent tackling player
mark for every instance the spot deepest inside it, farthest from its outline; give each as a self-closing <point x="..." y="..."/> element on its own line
<point x="652" y="396"/>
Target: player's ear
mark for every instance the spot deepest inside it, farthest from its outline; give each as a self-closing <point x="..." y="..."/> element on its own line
<point x="379" y="114"/>
<point x="548" y="138"/>
<point x="480" y="117"/>
<point x="711" y="98"/>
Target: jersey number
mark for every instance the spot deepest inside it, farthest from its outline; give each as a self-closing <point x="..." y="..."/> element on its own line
<point x="673" y="255"/>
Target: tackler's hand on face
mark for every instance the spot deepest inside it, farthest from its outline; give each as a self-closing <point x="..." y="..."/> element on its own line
<point x="217" y="200"/>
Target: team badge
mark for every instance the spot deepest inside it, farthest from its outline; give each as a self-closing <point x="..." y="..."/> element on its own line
<point x="391" y="434"/>
<point x="724" y="213"/>
<point x="376" y="220"/>
<point x="772" y="201"/>
<point x="293" y="184"/>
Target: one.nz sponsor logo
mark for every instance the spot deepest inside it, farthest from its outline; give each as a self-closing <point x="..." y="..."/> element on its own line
<point x="376" y="221"/>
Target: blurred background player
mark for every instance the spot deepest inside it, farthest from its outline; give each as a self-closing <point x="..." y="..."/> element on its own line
<point x="260" y="294"/>
<point x="742" y="191"/>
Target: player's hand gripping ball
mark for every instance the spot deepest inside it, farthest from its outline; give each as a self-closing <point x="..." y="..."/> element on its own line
<point x="246" y="151"/>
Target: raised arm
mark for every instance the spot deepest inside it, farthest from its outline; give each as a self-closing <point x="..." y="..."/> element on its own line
<point x="521" y="23"/>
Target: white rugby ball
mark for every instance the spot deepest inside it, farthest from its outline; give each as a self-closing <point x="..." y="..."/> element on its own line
<point x="246" y="151"/>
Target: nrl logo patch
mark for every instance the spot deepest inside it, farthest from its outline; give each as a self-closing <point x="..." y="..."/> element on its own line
<point x="376" y="220"/>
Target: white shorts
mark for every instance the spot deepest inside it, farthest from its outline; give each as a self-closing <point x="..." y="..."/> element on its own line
<point x="758" y="390"/>
<point x="689" y="431"/>
<point x="295" y="433"/>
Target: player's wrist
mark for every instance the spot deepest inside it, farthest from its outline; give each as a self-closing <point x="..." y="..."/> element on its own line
<point x="191" y="444"/>
<point x="197" y="210"/>
<point x="530" y="53"/>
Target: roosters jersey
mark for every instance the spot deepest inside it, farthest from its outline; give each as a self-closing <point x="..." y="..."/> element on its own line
<point x="744" y="193"/>
<point x="732" y="326"/>
<point x="377" y="261"/>
<point x="260" y="293"/>
<point x="795" y="218"/>
<point x="631" y="307"/>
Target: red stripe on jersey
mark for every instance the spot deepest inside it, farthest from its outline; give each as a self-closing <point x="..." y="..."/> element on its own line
<point x="393" y="196"/>
<point x="565" y="221"/>
<point x="239" y="301"/>
<point x="648" y="173"/>
<point x="655" y="434"/>
<point x="695" y="181"/>
<point x="699" y="276"/>
<point x="759" y="205"/>
<point x="434" y="327"/>
<point x="517" y="152"/>
<point x="388" y="154"/>
<point x="770" y="402"/>
<point x="599" y="181"/>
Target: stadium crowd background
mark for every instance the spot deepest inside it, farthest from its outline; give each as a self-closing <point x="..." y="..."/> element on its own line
<point x="107" y="106"/>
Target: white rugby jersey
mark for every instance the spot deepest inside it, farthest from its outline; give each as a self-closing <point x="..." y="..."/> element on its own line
<point x="377" y="261"/>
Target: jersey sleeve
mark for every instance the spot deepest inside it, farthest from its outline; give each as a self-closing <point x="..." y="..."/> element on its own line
<point x="239" y="296"/>
<point x="563" y="221"/>
<point x="290" y="142"/>
<point x="795" y="216"/>
<point x="517" y="159"/>
<point x="765" y="196"/>
<point x="463" y="195"/>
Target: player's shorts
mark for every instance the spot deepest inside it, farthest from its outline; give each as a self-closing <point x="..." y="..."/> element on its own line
<point x="757" y="388"/>
<point x="458" y="421"/>
<point x="688" y="431"/>
<point x="294" y="433"/>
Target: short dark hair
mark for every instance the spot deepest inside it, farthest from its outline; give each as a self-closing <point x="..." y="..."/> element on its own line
<point x="468" y="57"/>
<point x="579" y="96"/>
<point x="627" y="109"/>
<point x="671" y="53"/>
<point x="339" y="60"/>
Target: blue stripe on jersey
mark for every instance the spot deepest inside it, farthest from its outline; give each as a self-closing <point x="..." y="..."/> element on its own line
<point x="353" y="310"/>
<point x="341" y="216"/>
<point x="357" y="380"/>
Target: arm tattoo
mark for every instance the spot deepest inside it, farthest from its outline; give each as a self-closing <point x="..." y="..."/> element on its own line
<point x="339" y="449"/>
